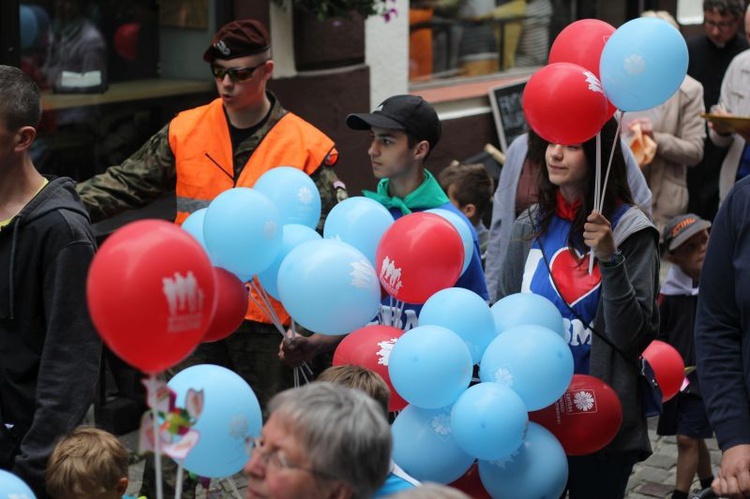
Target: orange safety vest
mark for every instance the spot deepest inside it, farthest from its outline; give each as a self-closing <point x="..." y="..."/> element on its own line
<point x="200" y="141"/>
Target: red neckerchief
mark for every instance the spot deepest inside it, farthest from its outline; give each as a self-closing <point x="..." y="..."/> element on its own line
<point x="565" y="210"/>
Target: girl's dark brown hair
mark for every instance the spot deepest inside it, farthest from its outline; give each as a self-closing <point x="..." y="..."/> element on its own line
<point x="617" y="190"/>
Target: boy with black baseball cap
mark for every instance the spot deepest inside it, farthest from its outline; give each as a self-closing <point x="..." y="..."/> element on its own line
<point x="685" y="240"/>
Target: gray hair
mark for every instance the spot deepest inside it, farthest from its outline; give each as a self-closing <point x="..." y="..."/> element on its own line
<point x="343" y="431"/>
<point x="734" y="8"/>
<point x="20" y="104"/>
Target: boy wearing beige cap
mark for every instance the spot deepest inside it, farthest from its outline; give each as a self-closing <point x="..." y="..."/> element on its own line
<point x="685" y="240"/>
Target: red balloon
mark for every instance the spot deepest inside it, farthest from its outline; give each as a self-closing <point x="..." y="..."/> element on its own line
<point x="582" y="42"/>
<point x="231" y="306"/>
<point x="151" y="294"/>
<point x="370" y="347"/>
<point x="126" y="41"/>
<point x="565" y="104"/>
<point x="470" y="484"/>
<point x="586" y="418"/>
<point x="668" y="366"/>
<point x="420" y="254"/>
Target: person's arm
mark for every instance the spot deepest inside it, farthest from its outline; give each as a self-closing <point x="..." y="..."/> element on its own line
<point x="629" y="288"/>
<point x="511" y="273"/>
<point x="719" y="323"/>
<point x="332" y="190"/>
<point x="70" y="357"/>
<point x="503" y="212"/>
<point x="294" y="351"/>
<point x="686" y="147"/>
<point x="637" y="182"/>
<point x="719" y="343"/>
<point x="140" y="179"/>
<point x="720" y="136"/>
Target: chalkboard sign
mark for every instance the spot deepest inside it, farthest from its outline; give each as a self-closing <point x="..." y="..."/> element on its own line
<point x="508" y="112"/>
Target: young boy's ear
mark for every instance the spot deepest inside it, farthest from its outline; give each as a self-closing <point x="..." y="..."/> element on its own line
<point x="122" y="486"/>
<point x="422" y="149"/>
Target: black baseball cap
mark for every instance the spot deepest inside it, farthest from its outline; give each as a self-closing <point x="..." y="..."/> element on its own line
<point x="682" y="228"/>
<point x="238" y="39"/>
<point x="410" y="113"/>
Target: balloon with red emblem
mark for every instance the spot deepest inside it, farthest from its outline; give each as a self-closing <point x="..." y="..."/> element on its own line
<point x="668" y="366"/>
<point x="586" y="418"/>
<point x="370" y="347"/>
<point x="151" y="294"/>
<point x="565" y="103"/>
<point x="231" y="306"/>
<point x="420" y="254"/>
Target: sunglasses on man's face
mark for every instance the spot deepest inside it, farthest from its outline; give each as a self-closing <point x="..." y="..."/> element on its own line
<point x="235" y="74"/>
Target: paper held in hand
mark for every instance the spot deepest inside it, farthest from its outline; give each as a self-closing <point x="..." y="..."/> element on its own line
<point x="736" y="123"/>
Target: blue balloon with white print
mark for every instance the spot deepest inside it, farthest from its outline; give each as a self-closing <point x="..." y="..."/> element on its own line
<point x="465" y="313"/>
<point x="539" y="468"/>
<point x="329" y="287"/>
<point x="424" y="445"/>
<point x="532" y="360"/>
<point x="13" y="486"/>
<point x="294" y="193"/>
<point x="527" y="308"/>
<point x="643" y="64"/>
<point x="359" y="221"/>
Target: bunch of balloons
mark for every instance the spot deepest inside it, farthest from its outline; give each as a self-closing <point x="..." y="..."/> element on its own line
<point x="595" y="69"/>
<point x="525" y="365"/>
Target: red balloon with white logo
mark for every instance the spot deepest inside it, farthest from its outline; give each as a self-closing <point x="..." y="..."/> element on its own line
<point x="585" y="419"/>
<point x="565" y="103"/>
<point x="151" y="294"/>
<point x="668" y="366"/>
<point x="420" y="254"/>
<point x="370" y="347"/>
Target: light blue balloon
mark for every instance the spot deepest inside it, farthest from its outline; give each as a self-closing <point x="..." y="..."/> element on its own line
<point x="13" y="486"/>
<point x="424" y="445"/>
<point x="358" y="221"/>
<point x="527" y="308"/>
<point x="643" y="63"/>
<point x="464" y="230"/>
<point x="329" y="287"/>
<point x="294" y="193"/>
<point x="532" y="360"/>
<point x="489" y="421"/>
<point x="539" y="469"/>
<point x="242" y="231"/>
<point x="193" y="224"/>
<point x="430" y="366"/>
<point x="465" y="313"/>
<point x="231" y="413"/>
<point x="292" y="235"/>
<point x="28" y="26"/>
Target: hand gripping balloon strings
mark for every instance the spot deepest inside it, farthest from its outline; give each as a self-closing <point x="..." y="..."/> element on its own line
<point x="599" y="197"/>
<point x="267" y="308"/>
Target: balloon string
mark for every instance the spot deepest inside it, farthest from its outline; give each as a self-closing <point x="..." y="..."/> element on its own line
<point x="157" y="443"/>
<point x="233" y="486"/>
<point x="178" y="485"/>
<point x="270" y="312"/>
<point x="597" y="187"/>
<point x="609" y="164"/>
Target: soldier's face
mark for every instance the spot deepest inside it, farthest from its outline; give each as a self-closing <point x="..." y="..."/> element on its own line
<point x="241" y="82"/>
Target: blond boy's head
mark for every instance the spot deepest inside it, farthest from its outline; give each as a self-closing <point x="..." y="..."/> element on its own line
<point x="88" y="462"/>
<point x="360" y="378"/>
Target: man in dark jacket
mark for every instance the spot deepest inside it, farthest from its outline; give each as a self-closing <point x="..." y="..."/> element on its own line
<point x="722" y="339"/>
<point x="49" y="350"/>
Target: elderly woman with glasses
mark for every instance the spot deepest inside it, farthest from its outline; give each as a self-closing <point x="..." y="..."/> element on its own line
<point x="320" y="441"/>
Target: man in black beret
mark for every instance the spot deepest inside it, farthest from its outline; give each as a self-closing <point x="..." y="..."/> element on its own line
<point x="204" y="151"/>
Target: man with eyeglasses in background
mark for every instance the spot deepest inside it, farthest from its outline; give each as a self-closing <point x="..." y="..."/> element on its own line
<point x="710" y="55"/>
<point x="204" y="151"/>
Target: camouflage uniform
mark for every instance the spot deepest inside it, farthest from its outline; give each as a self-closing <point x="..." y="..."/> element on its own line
<point x="252" y="351"/>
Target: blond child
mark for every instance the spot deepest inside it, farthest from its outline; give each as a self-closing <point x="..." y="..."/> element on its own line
<point x="88" y="462"/>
